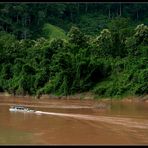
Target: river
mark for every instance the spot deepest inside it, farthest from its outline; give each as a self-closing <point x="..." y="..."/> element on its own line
<point x="73" y="122"/>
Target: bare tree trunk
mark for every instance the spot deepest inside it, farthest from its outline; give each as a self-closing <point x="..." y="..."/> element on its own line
<point x="109" y="12"/>
<point x="29" y="20"/>
<point x="71" y="16"/>
<point x="25" y="34"/>
<point x="38" y="22"/>
<point x="86" y="7"/>
<point x="120" y="10"/>
<point x="23" y="22"/>
<point x="117" y="13"/>
<point x="6" y="28"/>
<point x="78" y="9"/>
<point x="17" y="20"/>
<point x="137" y="15"/>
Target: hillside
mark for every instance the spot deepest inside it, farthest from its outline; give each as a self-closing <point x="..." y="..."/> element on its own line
<point x="80" y="47"/>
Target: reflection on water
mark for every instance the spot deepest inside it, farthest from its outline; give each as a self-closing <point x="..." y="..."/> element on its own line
<point x="73" y="122"/>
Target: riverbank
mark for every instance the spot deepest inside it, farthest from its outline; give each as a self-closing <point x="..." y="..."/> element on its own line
<point x="81" y="96"/>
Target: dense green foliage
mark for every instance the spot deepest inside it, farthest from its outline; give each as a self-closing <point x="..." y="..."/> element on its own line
<point x="66" y="48"/>
<point x="26" y="20"/>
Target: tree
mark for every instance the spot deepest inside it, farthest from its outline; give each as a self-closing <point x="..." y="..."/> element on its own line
<point x="77" y="37"/>
<point x="141" y="33"/>
<point x="104" y="42"/>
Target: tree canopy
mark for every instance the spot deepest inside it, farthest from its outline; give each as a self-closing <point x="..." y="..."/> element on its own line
<point x="69" y="48"/>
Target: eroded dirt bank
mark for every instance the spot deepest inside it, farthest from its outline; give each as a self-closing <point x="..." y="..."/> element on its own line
<point x="85" y="100"/>
<point x="81" y="96"/>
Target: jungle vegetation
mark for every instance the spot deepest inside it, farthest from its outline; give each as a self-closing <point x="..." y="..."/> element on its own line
<point x="69" y="48"/>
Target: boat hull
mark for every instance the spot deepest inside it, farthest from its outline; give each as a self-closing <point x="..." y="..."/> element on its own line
<point x="25" y="111"/>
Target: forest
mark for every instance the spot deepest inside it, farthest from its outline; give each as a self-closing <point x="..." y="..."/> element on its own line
<point x="70" y="48"/>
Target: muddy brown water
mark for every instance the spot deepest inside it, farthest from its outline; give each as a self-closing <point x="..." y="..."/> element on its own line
<point x="73" y="122"/>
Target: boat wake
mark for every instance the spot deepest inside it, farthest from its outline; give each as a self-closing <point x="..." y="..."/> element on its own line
<point x="128" y="122"/>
